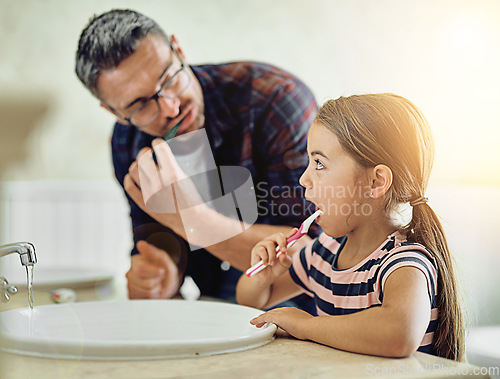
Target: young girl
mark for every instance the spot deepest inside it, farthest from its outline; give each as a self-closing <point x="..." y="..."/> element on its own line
<point x="381" y="273"/>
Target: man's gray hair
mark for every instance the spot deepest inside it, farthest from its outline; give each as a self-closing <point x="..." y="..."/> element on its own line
<point x="109" y="39"/>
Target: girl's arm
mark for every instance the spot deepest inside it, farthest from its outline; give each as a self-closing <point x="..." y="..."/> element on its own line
<point x="273" y="284"/>
<point x="394" y="329"/>
<point x="258" y="294"/>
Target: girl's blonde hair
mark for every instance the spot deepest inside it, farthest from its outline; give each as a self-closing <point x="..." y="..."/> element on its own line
<point x="388" y="129"/>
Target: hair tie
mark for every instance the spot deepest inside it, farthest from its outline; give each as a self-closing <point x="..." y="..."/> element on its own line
<point x="420" y="200"/>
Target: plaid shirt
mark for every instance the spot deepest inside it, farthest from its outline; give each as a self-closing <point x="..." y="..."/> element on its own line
<point x="256" y="116"/>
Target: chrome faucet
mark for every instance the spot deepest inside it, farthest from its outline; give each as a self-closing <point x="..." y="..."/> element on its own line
<point x="27" y="255"/>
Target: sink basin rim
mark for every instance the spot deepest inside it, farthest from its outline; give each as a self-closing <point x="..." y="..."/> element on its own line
<point x="134" y="349"/>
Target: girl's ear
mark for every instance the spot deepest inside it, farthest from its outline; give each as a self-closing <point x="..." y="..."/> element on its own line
<point x="381" y="181"/>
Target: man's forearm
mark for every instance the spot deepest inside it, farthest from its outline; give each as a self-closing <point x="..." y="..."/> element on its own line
<point x="237" y="248"/>
<point x="224" y="237"/>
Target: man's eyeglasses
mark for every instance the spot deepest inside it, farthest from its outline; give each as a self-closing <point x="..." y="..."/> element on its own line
<point x="149" y="110"/>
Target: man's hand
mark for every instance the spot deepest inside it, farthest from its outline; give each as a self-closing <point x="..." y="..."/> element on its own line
<point x="155" y="195"/>
<point x="153" y="274"/>
<point x="188" y="215"/>
<point x="153" y="190"/>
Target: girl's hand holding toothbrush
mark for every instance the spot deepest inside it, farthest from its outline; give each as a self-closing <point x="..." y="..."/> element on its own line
<point x="295" y="235"/>
<point x="270" y="260"/>
<point x="267" y="252"/>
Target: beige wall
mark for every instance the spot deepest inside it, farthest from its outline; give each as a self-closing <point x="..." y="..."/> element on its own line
<point x="442" y="55"/>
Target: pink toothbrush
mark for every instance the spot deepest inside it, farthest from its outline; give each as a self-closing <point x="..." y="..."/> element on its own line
<point x="304" y="228"/>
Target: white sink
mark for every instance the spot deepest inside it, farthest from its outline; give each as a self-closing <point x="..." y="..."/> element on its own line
<point x="132" y="329"/>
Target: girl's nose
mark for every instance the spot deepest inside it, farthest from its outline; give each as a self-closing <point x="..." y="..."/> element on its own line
<point x="304" y="179"/>
<point x="169" y="107"/>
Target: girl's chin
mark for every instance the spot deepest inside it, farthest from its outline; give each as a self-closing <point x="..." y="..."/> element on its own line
<point x="332" y="234"/>
<point x="329" y="230"/>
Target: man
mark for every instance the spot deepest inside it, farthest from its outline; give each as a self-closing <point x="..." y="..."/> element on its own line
<point x="255" y="116"/>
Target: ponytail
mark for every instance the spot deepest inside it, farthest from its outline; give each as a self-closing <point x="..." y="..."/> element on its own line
<point x="449" y="337"/>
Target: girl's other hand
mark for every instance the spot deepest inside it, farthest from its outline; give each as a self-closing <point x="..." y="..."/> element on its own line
<point x="290" y="319"/>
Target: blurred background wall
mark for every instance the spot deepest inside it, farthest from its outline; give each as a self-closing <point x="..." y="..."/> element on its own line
<point x="442" y="55"/>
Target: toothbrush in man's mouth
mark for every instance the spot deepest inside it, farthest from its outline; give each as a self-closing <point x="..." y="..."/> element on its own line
<point x="170" y="134"/>
<point x="304" y="228"/>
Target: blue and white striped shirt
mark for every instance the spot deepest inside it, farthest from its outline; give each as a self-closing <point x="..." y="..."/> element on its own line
<point x="339" y="292"/>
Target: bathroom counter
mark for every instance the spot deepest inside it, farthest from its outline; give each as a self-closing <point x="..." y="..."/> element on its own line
<point x="284" y="357"/>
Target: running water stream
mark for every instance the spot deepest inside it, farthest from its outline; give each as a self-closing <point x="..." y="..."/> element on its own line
<point x="29" y="274"/>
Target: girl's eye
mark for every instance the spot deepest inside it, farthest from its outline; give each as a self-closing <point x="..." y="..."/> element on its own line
<point x="319" y="165"/>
